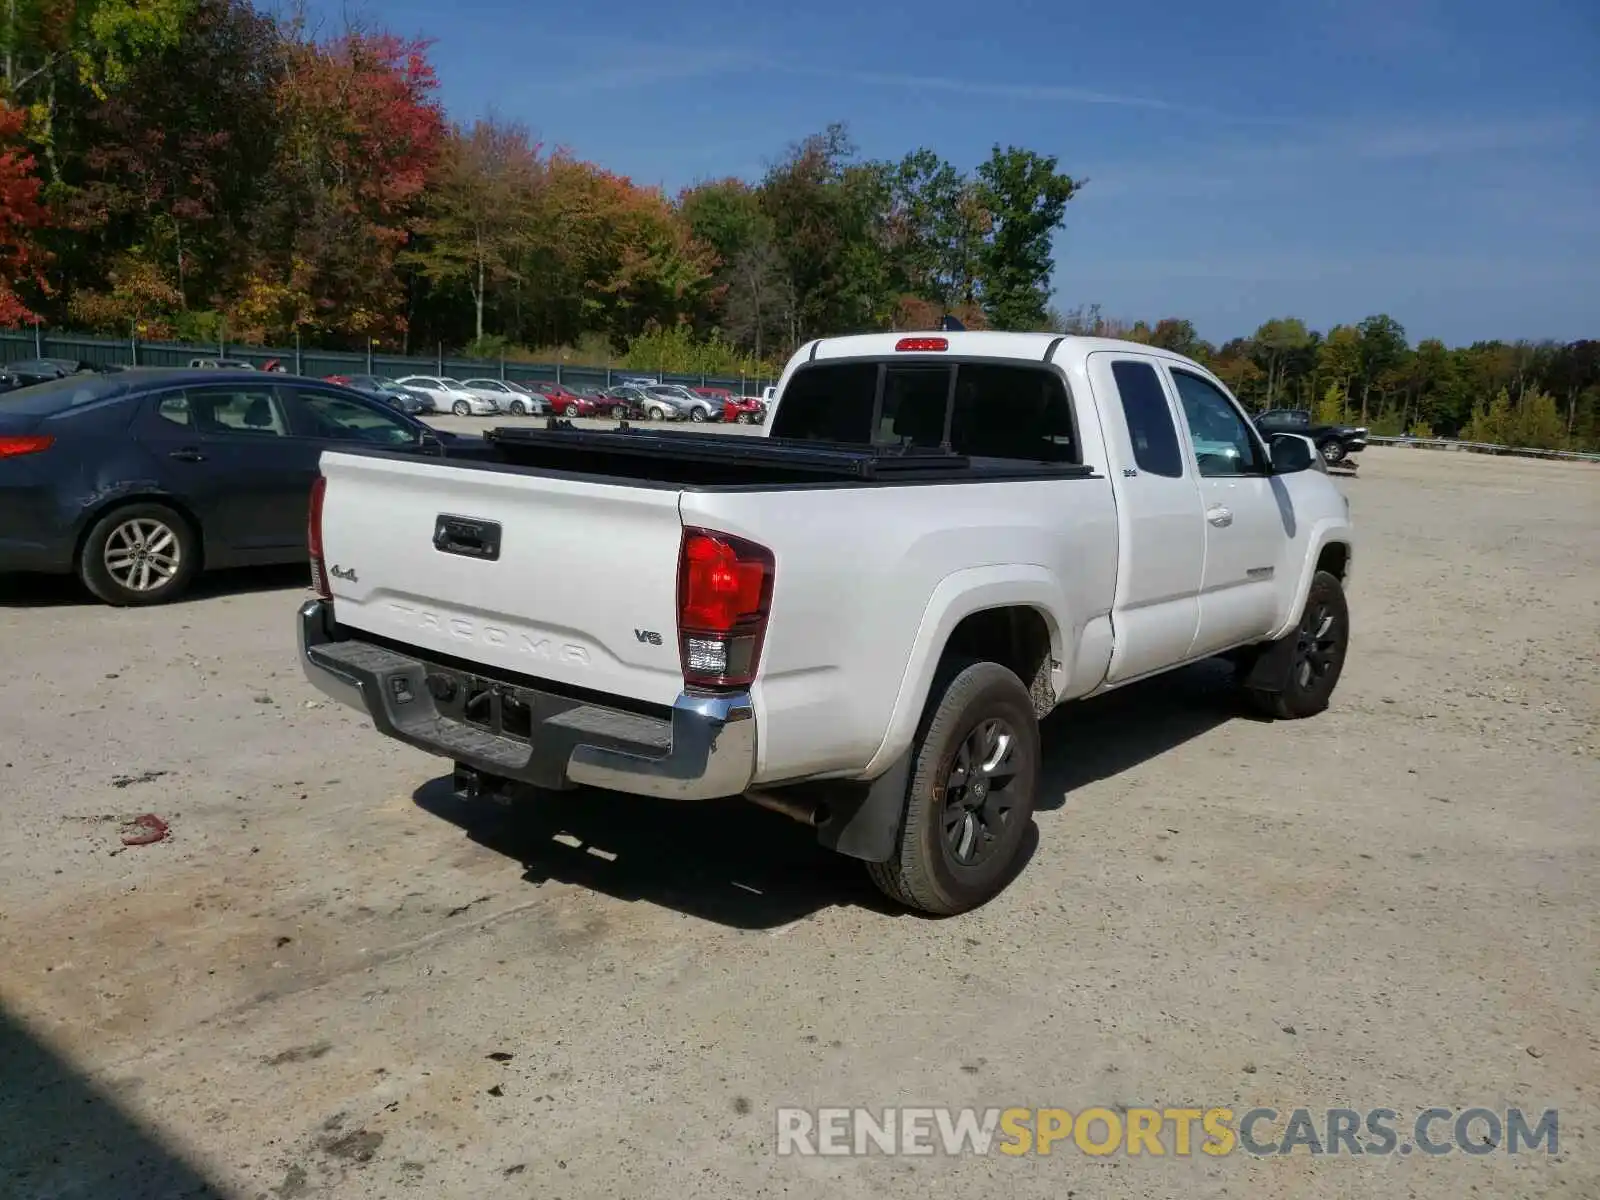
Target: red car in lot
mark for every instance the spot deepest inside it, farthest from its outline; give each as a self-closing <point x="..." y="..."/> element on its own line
<point x="564" y="402"/>
<point x="743" y="410"/>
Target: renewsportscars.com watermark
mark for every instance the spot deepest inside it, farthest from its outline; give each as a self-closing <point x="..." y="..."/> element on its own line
<point x="1176" y="1132"/>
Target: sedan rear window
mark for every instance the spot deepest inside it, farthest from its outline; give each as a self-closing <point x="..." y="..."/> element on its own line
<point x="58" y="395"/>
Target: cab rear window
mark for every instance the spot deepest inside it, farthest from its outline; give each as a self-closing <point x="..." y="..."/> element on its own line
<point x="985" y="409"/>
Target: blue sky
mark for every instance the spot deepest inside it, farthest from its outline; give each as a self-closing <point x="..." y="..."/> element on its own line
<point x="1435" y="159"/>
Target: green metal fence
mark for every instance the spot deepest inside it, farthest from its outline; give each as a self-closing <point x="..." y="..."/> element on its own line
<point x="18" y="344"/>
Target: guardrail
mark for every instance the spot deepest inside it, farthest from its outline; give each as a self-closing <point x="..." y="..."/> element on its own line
<point x="1482" y="448"/>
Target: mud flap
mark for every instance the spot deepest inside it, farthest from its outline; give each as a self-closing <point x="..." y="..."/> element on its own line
<point x="1269" y="672"/>
<point x="864" y="818"/>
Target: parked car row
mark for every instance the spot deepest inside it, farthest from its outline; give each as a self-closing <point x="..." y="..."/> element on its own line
<point x="637" y="399"/>
<point x="29" y="371"/>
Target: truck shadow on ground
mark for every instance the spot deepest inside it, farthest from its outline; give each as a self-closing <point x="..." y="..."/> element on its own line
<point x="737" y="865"/>
<point x="1097" y="739"/>
<point x="64" y="591"/>
<point x="69" y="1139"/>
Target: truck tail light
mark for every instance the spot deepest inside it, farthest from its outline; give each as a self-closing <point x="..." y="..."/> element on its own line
<point x="15" y="446"/>
<point x="724" y="596"/>
<point x="319" y="573"/>
<point x="919" y="345"/>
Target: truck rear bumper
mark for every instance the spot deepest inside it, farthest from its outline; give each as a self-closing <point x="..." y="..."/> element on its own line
<point x="705" y="749"/>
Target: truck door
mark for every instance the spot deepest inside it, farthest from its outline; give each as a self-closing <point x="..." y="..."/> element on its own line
<point x="1245" y="529"/>
<point x="1161" y="538"/>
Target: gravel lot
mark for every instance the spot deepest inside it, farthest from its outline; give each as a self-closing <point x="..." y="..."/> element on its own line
<point x="305" y="989"/>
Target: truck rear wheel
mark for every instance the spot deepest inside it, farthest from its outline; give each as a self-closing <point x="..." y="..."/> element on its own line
<point x="974" y="778"/>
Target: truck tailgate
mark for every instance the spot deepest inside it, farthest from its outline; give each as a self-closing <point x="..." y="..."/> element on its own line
<point x="581" y="589"/>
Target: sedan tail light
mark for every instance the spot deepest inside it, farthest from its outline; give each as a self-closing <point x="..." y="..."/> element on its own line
<point x="16" y="445"/>
<point x="724" y="597"/>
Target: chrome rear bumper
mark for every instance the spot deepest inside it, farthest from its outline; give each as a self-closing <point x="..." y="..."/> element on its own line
<point x="705" y="749"/>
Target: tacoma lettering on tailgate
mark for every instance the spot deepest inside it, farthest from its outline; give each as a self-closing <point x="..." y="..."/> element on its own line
<point x="497" y="636"/>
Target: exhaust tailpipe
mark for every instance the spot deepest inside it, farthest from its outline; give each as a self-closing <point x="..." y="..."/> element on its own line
<point x="796" y="808"/>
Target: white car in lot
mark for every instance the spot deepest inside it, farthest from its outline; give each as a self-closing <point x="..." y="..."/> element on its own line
<point x="511" y="397"/>
<point x="451" y="395"/>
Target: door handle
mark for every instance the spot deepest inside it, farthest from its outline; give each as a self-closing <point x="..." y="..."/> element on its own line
<point x="187" y="454"/>
<point x="1219" y="516"/>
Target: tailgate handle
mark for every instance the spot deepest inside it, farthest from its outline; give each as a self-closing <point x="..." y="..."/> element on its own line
<point x="467" y="536"/>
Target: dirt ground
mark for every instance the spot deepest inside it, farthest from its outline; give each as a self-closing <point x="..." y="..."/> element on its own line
<point x="334" y="980"/>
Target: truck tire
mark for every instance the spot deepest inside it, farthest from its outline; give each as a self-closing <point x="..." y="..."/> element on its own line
<point x="1320" y="640"/>
<point x="139" y="554"/>
<point x="1332" y="451"/>
<point x="975" y="773"/>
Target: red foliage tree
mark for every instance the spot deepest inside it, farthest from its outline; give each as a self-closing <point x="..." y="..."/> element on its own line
<point x="20" y="214"/>
<point x="362" y="133"/>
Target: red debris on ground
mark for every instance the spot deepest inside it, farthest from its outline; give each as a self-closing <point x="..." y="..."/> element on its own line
<point x="143" y="830"/>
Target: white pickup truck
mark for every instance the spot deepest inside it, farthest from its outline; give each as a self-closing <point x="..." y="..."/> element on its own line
<point x="856" y="618"/>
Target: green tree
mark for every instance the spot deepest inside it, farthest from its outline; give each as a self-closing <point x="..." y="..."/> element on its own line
<point x="937" y="227"/>
<point x="1495" y="423"/>
<point x="1331" y="408"/>
<point x="1277" y="343"/>
<point x="1383" y="352"/>
<point x="1339" y="357"/>
<point x="1026" y="199"/>
<point x="1538" y="422"/>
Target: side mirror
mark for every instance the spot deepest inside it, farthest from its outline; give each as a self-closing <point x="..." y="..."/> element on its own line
<point x="1291" y="453"/>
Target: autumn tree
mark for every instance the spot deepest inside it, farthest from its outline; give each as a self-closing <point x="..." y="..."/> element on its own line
<point x="479" y="211"/>
<point x="361" y="134"/>
<point x="1179" y="336"/>
<point x="829" y="220"/>
<point x="21" y="215"/>
<point x="176" y="160"/>
<point x="51" y="48"/>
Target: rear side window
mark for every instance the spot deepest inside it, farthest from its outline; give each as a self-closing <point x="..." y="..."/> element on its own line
<point x="831" y="403"/>
<point x="1149" y="418"/>
<point x="1005" y="411"/>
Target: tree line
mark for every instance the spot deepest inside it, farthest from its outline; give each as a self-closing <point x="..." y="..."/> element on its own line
<point x="197" y="169"/>
<point x="1538" y="394"/>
